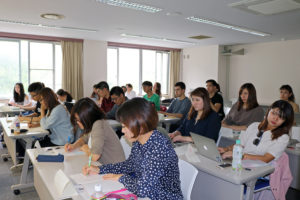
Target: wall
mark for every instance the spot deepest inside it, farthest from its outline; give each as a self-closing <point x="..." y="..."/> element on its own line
<point x="94" y="64"/>
<point x="199" y="64"/>
<point x="267" y="66"/>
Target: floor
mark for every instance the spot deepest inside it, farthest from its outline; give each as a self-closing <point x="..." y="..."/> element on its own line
<point x="8" y="178"/>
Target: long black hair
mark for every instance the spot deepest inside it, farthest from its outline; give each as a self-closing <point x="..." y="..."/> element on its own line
<point x="19" y="98"/>
<point x="62" y="92"/>
<point x="290" y="90"/>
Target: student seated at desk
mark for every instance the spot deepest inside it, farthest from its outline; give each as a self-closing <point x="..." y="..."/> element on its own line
<point x="179" y="107"/>
<point x="245" y="111"/>
<point x="56" y="120"/>
<point x="20" y="99"/>
<point x="118" y="97"/>
<point x="157" y="89"/>
<point x="216" y="98"/>
<point x="105" y="102"/>
<point x="152" y="167"/>
<point x="34" y="90"/>
<point x="65" y="98"/>
<point x="130" y="93"/>
<point x="201" y="119"/>
<point x="98" y="139"/>
<point x="267" y="140"/>
<point x="150" y="96"/>
<point x="287" y="94"/>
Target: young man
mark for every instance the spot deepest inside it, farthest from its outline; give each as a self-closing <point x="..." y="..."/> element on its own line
<point x="105" y="99"/>
<point x="216" y="100"/>
<point x="179" y="107"/>
<point x="118" y="97"/>
<point x="130" y="93"/>
<point x="34" y="90"/>
<point x="150" y="96"/>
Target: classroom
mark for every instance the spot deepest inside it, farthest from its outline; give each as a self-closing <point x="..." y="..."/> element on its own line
<point x="136" y="99"/>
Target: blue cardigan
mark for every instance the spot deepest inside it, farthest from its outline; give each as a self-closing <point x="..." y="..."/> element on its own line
<point x="208" y="127"/>
<point x="59" y="125"/>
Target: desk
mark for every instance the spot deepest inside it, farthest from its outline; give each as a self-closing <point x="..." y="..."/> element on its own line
<point x="294" y="161"/>
<point x="215" y="183"/>
<point x="44" y="173"/>
<point x="5" y="109"/>
<point x="10" y="140"/>
<point x="168" y="121"/>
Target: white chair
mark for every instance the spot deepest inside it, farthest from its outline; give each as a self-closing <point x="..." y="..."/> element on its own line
<point x="188" y="174"/>
<point x="126" y="146"/>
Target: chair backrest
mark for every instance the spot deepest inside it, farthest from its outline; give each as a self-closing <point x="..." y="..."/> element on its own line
<point x="295" y="133"/>
<point x="188" y="174"/>
<point x="126" y="147"/>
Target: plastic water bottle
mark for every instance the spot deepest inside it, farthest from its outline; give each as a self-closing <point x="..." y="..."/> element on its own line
<point x="237" y="155"/>
<point x="98" y="194"/>
<point x="16" y="125"/>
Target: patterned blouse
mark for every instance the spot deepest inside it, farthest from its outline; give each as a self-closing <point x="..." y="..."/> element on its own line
<point x="151" y="169"/>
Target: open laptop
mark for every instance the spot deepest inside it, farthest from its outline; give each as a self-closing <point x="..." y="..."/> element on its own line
<point x="208" y="148"/>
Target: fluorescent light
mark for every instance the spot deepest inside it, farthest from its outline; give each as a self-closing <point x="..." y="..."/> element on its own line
<point x="46" y="26"/>
<point x="131" y="5"/>
<point x="223" y="25"/>
<point x="156" y="38"/>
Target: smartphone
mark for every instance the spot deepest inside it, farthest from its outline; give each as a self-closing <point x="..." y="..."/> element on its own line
<point x="224" y="165"/>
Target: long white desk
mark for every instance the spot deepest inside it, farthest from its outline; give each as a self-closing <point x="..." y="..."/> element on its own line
<point x="168" y="121"/>
<point x="44" y="174"/>
<point x="10" y="141"/>
<point x="213" y="182"/>
<point x="5" y="109"/>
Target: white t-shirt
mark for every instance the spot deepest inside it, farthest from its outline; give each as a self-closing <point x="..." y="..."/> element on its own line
<point x="266" y="145"/>
<point x="130" y="94"/>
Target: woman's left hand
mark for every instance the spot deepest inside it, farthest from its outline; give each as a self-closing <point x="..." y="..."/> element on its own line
<point x="112" y="177"/>
<point x="85" y="148"/>
<point x="227" y="154"/>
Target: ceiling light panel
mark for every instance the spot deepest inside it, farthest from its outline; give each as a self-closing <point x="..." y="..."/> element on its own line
<point x="156" y="38"/>
<point x="130" y="5"/>
<point x="46" y="26"/>
<point x="228" y="26"/>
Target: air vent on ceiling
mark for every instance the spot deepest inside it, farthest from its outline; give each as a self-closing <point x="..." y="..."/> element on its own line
<point x="267" y="7"/>
<point x="200" y="37"/>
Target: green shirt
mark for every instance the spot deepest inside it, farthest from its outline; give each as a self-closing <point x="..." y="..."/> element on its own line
<point x="155" y="99"/>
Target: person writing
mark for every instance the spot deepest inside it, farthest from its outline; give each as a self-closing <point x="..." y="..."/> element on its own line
<point x="152" y="167"/>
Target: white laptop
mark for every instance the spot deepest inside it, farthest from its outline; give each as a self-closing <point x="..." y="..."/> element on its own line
<point x="208" y="148"/>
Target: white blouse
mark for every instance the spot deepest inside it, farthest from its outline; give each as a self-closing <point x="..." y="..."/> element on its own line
<point x="266" y="145"/>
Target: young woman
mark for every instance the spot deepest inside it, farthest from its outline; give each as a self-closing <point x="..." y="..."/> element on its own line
<point x="157" y="89"/>
<point x="201" y="119"/>
<point x="56" y="120"/>
<point x="20" y="99"/>
<point x="245" y="111"/>
<point x="64" y="96"/>
<point x="216" y="99"/>
<point x="287" y="94"/>
<point x="152" y="167"/>
<point x="267" y="140"/>
<point x="98" y="139"/>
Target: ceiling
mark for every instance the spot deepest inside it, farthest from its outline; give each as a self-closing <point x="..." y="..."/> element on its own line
<point x="110" y="21"/>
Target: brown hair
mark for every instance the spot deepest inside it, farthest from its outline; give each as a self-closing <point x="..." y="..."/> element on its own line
<point x="88" y="112"/>
<point x="138" y="115"/>
<point x="286" y="113"/>
<point x="252" y="100"/>
<point x="200" y="92"/>
<point x="50" y="99"/>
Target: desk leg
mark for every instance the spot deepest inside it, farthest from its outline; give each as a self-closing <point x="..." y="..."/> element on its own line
<point x="250" y="189"/>
<point x="11" y="147"/>
<point x="23" y="181"/>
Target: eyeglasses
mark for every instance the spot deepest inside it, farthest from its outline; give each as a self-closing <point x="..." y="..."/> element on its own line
<point x="256" y="141"/>
<point x="273" y="112"/>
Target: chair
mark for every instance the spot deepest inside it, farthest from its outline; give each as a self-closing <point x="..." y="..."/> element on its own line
<point x="126" y="146"/>
<point x="188" y="174"/>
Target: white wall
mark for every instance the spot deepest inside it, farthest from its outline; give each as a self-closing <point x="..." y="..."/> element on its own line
<point x="94" y="64"/>
<point x="199" y="64"/>
<point x="267" y="66"/>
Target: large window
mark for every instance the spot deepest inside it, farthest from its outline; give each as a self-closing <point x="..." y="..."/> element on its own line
<point x="128" y="65"/>
<point x="27" y="62"/>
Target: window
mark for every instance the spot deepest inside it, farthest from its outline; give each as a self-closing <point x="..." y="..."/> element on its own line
<point x="129" y="65"/>
<point x="27" y="62"/>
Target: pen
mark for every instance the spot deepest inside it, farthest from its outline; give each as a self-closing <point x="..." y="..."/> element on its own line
<point x="90" y="160"/>
<point x="69" y="139"/>
<point x="31" y="120"/>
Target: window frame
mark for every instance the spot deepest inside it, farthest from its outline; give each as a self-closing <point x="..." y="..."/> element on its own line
<point x="141" y="66"/>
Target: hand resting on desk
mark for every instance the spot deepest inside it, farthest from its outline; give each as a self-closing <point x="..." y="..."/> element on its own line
<point x="86" y="170"/>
